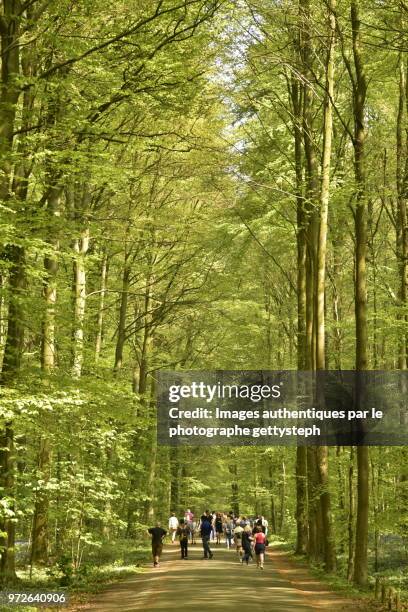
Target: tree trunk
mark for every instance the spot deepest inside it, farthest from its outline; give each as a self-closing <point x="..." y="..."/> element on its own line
<point x="359" y="96"/>
<point x="11" y="366"/>
<point x="322" y="453"/>
<point x="3" y="311"/>
<point x="99" y="322"/>
<point x="81" y="246"/>
<point x="151" y="466"/>
<point x="402" y="218"/>
<point x="272" y="496"/>
<point x="48" y="355"/>
<point x="13" y="349"/>
<point x="7" y="527"/>
<point x="10" y="88"/>
<point x="322" y="460"/>
<point x="233" y="470"/>
<point x="120" y="343"/>
<point x="39" y="544"/>
<point x="282" y="505"/>
<point x="301" y="451"/>
<point x="175" y="471"/>
<point x="325" y="196"/>
<point x="350" y="520"/>
<point x="312" y="518"/>
<point x="311" y="217"/>
<point x="48" y="351"/>
<point x="301" y="500"/>
<point x="311" y="234"/>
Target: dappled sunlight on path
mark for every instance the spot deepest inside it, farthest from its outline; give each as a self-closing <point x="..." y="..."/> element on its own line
<point x="220" y="584"/>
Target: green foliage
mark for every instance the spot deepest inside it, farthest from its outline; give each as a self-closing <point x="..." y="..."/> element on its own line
<point x="149" y="185"/>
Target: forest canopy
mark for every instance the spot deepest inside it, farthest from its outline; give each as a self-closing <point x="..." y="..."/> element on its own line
<point x="196" y="185"/>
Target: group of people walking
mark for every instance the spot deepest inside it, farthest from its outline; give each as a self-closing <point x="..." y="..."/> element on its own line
<point x="246" y="534"/>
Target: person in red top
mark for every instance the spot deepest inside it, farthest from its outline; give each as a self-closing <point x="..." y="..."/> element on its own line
<point x="260" y="543"/>
<point x="188" y="516"/>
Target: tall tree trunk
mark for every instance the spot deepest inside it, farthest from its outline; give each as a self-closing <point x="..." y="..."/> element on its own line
<point x="175" y="475"/>
<point x="325" y="195"/>
<point x="3" y="312"/>
<point x="7" y="526"/>
<point x="233" y="470"/>
<point x="11" y="366"/>
<point x="152" y="462"/>
<point x="301" y="500"/>
<point x="272" y="506"/>
<point x="10" y="87"/>
<point x="13" y="349"/>
<point x="402" y="218"/>
<point x="147" y="338"/>
<point x="48" y="354"/>
<point x="311" y="224"/>
<point x="11" y="14"/>
<point x="39" y="544"/>
<point x="124" y="296"/>
<point x="100" y="317"/>
<point x="312" y="508"/>
<point x="350" y="519"/>
<point x="301" y="451"/>
<point x="311" y="208"/>
<point x="48" y="350"/>
<point x="40" y="535"/>
<point x="145" y="353"/>
<point x="81" y="246"/>
<point x="282" y="506"/>
<point x="359" y="96"/>
<point x="322" y="454"/>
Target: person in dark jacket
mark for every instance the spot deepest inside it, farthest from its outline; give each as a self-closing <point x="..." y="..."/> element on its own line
<point x="247" y="539"/>
<point x="183" y="533"/>
<point x="205" y="532"/>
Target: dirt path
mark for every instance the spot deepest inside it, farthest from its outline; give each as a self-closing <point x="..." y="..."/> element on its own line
<point x="221" y="584"/>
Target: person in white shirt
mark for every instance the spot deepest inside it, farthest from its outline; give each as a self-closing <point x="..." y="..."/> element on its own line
<point x="173" y="525"/>
<point x="265" y="524"/>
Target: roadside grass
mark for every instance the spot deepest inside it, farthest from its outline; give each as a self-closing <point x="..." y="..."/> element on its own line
<point x="100" y="567"/>
<point x="394" y="577"/>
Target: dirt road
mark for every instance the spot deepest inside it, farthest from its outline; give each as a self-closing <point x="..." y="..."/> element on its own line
<point x="221" y="584"/>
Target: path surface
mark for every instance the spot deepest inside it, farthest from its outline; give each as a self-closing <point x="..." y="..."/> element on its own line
<point x="221" y="584"/>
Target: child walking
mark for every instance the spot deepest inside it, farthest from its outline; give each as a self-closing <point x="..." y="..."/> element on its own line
<point x="183" y="532"/>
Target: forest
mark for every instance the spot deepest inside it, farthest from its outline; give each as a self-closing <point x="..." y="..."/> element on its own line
<point x="196" y="185"/>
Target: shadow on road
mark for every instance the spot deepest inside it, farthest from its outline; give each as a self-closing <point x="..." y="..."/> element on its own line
<point x="221" y="584"/>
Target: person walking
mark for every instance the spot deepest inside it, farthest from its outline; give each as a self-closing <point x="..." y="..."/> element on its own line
<point x="193" y="529"/>
<point x="213" y="517"/>
<point x="189" y="520"/>
<point x="247" y="544"/>
<point x="173" y="525"/>
<point x="205" y="517"/>
<point x="228" y="529"/>
<point x="183" y="532"/>
<point x="218" y="527"/>
<point x="260" y="543"/>
<point x="157" y="533"/>
<point x="205" y="532"/>
<point x="263" y="523"/>
<point x="238" y="540"/>
<point x="188" y="516"/>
